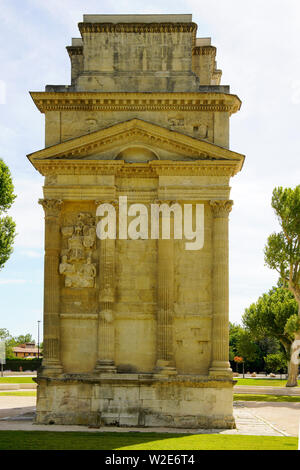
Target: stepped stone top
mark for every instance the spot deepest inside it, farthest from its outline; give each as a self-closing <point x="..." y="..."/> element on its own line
<point x="137" y="19"/>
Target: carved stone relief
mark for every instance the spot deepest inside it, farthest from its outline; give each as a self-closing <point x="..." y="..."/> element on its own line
<point x="176" y="121"/>
<point x="79" y="241"/>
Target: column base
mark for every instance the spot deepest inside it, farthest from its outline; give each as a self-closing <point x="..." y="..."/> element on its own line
<point x="220" y="369"/>
<point x="165" y="368"/>
<point x="104" y="366"/>
<point x="50" y="368"/>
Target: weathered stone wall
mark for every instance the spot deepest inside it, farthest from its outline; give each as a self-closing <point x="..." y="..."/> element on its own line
<point x="132" y="400"/>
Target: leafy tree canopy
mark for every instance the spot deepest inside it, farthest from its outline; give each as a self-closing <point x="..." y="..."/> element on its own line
<point x="7" y="225"/>
<point x="282" y="251"/>
<point x="273" y="315"/>
<point x="275" y="362"/>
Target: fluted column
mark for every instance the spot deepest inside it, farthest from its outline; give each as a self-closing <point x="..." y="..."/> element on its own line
<point x="106" y="328"/>
<point x="165" y="304"/>
<point x="220" y="289"/>
<point x="51" y="364"/>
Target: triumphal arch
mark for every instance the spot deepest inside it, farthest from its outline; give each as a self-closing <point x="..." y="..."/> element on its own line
<point x="136" y="321"/>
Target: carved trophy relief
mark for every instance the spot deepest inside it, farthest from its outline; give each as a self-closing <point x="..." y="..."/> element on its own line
<point x="79" y="240"/>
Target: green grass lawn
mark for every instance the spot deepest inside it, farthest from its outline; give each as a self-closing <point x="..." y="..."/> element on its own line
<point x="269" y="398"/>
<point x="16" y="380"/>
<point x="263" y="382"/>
<point x="16" y="393"/>
<point x="44" y="440"/>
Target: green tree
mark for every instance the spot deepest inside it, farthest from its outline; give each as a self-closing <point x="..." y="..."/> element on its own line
<point x="21" y="339"/>
<point x="271" y="316"/>
<point x="275" y="362"/>
<point x="247" y="348"/>
<point x="4" y="334"/>
<point x="282" y="253"/>
<point x="234" y="331"/>
<point x="7" y="225"/>
<point x="243" y="343"/>
<point x="9" y="342"/>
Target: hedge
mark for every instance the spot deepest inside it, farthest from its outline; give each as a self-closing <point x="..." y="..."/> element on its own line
<point x="26" y="364"/>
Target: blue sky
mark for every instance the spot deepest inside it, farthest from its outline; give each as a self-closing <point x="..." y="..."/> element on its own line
<point x="258" y="51"/>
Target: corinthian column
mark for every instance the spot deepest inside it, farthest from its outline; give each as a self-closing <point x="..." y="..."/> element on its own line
<point x="220" y="289"/>
<point x="106" y="328"/>
<point x="51" y="364"/>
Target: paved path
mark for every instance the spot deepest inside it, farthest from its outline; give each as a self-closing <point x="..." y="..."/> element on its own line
<point x="254" y="418"/>
<point x="268" y="390"/>
<point x="14" y="406"/>
<point x="284" y="416"/>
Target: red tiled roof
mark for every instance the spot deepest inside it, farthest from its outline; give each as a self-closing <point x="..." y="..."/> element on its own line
<point x="25" y="350"/>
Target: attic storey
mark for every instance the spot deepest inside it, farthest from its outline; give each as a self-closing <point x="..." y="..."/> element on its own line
<point x="136" y="330"/>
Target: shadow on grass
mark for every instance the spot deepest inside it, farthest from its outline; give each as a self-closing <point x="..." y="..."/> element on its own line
<point x="47" y="440"/>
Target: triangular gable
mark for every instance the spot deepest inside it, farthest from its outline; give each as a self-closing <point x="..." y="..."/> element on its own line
<point x="135" y="130"/>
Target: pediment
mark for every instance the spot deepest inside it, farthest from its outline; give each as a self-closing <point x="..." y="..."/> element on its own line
<point x="153" y="142"/>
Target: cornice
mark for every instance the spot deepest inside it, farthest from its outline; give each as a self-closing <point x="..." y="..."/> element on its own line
<point x="97" y="101"/>
<point x="146" y="170"/>
<point x="137" y="27"/>
<point x="74" y="50"/>
<point x="204" y="50"/>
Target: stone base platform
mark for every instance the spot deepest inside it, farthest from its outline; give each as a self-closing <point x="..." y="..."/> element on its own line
<point x="139" y="400"/>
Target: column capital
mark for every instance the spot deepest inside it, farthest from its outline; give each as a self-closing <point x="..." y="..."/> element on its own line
<point x="170" y="202"/>
<point x="52" y="207"/>
<point x="221" y="208"/>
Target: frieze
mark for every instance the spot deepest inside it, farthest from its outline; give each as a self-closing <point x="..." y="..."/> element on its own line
<point x="80" y="167"/>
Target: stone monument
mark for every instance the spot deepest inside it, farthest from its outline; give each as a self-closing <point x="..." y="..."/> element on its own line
<point x="136" y="327"/>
